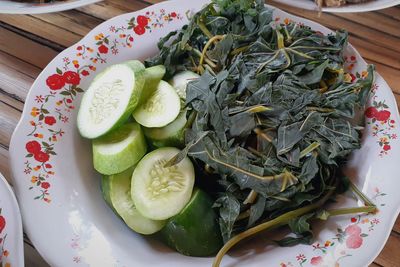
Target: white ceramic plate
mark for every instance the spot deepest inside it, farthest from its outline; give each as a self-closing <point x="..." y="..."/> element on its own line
<point x="14" y="7"/>
<point x="362" y="7"/>
<point x="63" y="210"/>
<point x="11" y="237"/>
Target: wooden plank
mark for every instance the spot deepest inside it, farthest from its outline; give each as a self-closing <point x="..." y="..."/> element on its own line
<point x="14" y="83"/>
<point x="9" y="118"/>
<point x="10" y="101"/>
<point x="392" y="12"/>
<point x="19" y="65"/>
<point x="378" y="37"/>
<point x="396" y="226"/>
<point x="373" y="20"/>
<point x="390" y="75"/>
<point x="41" y="28"/>
<point x="26" y="49"/>
<point x="106" y="10"/>
<point x="153" y="1"/>
<point x="4" y="163"/>
<point x="373" y="51"/>
<point x="390" y="257"/>
<point x="375" y="265"/>
<point x="72" y="20"/>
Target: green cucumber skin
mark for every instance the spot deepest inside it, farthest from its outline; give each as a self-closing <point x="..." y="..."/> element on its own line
<point x="153" y="76"/>
<point x="195" y="230"/>
<point x="177" y="141"/>
<point x="139" y="70"/>
<point x="112" y="164"/>
<point x="163" y="137"/>
<point x="132" y="218"/>
<point x="105" y="191"/>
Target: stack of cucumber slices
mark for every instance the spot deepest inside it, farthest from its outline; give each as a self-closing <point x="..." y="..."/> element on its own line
<point x="136" y="122"/>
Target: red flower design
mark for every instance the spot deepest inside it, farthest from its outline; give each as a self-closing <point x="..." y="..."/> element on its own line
<point x="139" y="30"/>
<point x="131" y="39"/>
<point x="2" y="223"/>
<point x="354" y="241"/>
<point x="353" y="58"/>
<point x="33" y="147"/>
<point x="371" y="112"/>
<point x="47" y="165"/>
<point x="142" y="21"/>
<point x="353" y="77"/>
<point x="41" y="156"/>
<point x="353" y="229"/>
<point x="55" y="82"/>
<point x="353" y="220"/>
<point x="316" y="260"/>
<point x="173" y="14"/>
<point x="386" y="147"/>
<point x="49" y="120"/>
<point x="69" y="101"/>
<point x="79" y="48"/>
<point x="71" y="77"/>
<point x="383" y="115"/>
<point x="45" y="185"/>
<point x="102" y="49"/>
<point x="85" y="73"/>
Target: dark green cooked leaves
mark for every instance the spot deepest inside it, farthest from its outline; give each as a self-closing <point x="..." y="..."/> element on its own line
<point x="272" y="110"/>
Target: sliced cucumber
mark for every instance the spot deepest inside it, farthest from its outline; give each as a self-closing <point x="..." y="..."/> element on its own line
<point x="161" y="192"/>
<point x="120" y="149"/>
<point x="181" y="80"/>
<point x="161" y="108"/>
<point x="195" y="230"/>
<point x="171" y="135"/>
<point x="117" y="191"/>
<point x="153" y="76"/>
<point x="110" y="99"/>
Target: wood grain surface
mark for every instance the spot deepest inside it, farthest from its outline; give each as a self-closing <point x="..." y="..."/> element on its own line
<point x="29" y="42"/>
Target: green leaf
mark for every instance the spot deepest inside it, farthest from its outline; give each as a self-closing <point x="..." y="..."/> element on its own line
<point x="66" y="93"/>
<point x="59" y="71"/>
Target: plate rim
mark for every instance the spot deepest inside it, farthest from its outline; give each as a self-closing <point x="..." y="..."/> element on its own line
<point x="48" y="8"/>
<point x="353" y="9"/>
<point x="16" y="220"/>
<point x="116" y="18"/>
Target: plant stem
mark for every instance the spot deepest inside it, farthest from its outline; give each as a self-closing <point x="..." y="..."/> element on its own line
<point x="344" y="211"/>
<point x="212" y="40"/>
<point x="308" y="149"/>
<point x="278" y="221"/>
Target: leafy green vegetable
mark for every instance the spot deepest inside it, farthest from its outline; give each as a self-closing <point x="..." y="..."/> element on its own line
<point x="273" y="114"/>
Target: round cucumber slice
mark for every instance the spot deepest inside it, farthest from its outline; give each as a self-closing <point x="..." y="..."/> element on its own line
<point x="120" y="149"/>
<point x="117" y="190"/>
<point x="195" y="230"/>
<point x="110" y="99"/>
<point x="160" y="109"/>
<point x="161" y="192"/>
<point x="171" y="135"/>
<point x="153" y="76"/>
<point x="181" y="80"/>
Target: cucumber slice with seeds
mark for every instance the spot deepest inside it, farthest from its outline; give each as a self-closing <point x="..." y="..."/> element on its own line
<point x="171" y="135"/>
<point x="160" y="109"/>
<point x="111" y="98"/>
<point x="153" y="76"/>
<point x="181" y="80"/>
<point x="161" y="192"/>
<point x="120" y="149"/>
<point x="117" y="192"/>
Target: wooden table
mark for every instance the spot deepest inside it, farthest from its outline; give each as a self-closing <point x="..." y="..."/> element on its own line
<point x="29" y="42"/>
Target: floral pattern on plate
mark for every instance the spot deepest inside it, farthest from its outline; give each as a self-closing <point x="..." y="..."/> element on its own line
<point x="64" y="85"/>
